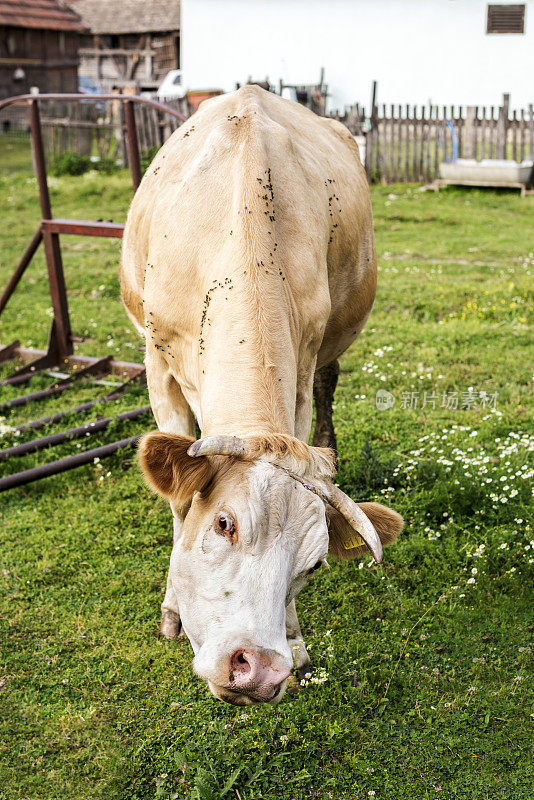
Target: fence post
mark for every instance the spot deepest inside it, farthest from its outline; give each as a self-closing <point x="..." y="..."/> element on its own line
<point x="61" y="329"/>
<point x="470" y="132"/>
<point x="372" y="138"/>
<point x="132" y="143"/>
<point x="531" y="131"/>
<point x="502" y="126"/>
<point x="369" y="142"/>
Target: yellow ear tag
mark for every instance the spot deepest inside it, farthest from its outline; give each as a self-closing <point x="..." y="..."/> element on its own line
<point x="355" y="540"/>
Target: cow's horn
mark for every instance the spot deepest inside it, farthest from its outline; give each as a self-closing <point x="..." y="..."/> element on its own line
<point x="220" y="446"/>
<point x="356" y="519"/>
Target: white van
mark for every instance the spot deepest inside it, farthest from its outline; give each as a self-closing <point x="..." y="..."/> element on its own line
<point x="171" y="86"/>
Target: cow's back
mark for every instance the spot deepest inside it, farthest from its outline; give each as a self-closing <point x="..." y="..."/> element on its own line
<point x="258" y="194"/>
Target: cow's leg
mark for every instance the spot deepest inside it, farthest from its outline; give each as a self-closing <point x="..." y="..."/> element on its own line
<point x="173" y="415"/>
<point x="301" y="659"/>
<point x="324" y="386"/>
<point x="304" y="407"/>
<point x="171" y="625"/>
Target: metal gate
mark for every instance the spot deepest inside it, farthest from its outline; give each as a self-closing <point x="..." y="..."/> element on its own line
<point x="60" y="348"/>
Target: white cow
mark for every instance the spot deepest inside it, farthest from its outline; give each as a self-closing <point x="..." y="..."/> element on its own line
<point x="249" y="266"/>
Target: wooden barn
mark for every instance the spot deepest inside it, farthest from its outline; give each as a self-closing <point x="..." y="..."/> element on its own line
<point x="39" y="42"/>
<point x="131" y="43"/>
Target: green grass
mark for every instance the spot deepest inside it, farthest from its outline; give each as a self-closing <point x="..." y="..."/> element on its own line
<point x="95" y="705"/>
<point x="15" y="154"/>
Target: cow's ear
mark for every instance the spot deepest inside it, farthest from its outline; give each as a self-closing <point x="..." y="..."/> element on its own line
<point x="344" y="540"/>
<point x="169" y="470"/>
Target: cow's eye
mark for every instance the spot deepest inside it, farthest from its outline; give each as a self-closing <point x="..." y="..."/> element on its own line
<point x="226" y="525"/>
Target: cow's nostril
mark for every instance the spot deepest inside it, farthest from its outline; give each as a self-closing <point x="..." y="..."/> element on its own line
<point x="257" y="674"/>
<point x="240" y="663"/>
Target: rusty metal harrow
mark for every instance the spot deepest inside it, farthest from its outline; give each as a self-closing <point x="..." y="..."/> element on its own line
<point x="60" y="349"/>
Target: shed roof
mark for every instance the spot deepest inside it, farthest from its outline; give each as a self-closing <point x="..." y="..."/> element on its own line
<point x="43" y="14"/>
<point x="128" y="16"/>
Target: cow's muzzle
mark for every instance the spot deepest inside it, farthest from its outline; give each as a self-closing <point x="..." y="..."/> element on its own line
<point x="253" y="676"/>
<point x="248" y="699"/>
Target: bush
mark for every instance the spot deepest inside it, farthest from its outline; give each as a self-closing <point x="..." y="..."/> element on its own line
<point x="71" y="164"/>
<point x="107" y="165"/>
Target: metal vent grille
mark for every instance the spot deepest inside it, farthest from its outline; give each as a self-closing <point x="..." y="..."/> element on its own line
<point x="506" y="19"/>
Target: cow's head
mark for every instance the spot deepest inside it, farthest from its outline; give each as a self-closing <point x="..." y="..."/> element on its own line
<point x="263" y="515"/>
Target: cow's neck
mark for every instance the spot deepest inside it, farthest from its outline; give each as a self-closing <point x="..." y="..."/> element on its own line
<point x="248" y="359"/>
<point x="253" y="352"/>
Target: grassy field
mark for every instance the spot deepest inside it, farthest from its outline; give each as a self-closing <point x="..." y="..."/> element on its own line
<point x="426" y="658"/>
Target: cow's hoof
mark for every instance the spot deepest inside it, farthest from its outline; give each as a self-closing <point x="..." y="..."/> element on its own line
<point x="171" y="626"/>
<point x="301" y="657"/>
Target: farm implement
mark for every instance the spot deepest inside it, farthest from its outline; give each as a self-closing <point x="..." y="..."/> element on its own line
<point x="60" y="351"/>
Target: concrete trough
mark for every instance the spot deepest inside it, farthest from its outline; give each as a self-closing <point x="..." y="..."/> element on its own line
<point x="488" y="172"/>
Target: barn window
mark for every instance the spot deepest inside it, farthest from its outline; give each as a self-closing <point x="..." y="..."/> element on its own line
<point x="506" y="19"/>
<point x="111" y="42"/>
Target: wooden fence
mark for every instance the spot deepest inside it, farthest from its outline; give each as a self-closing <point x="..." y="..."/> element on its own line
<point x="85" y="128"/>
<point x="401" y="142"/>
<point x="99" y="129"/>
<point x="409" y="143"/>
<point x="354" y="117"/>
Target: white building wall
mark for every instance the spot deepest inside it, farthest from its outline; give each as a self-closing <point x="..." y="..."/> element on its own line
<point x="417" y="50"/>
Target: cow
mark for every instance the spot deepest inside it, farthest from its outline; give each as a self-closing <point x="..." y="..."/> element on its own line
<point x="249" y="266"/>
